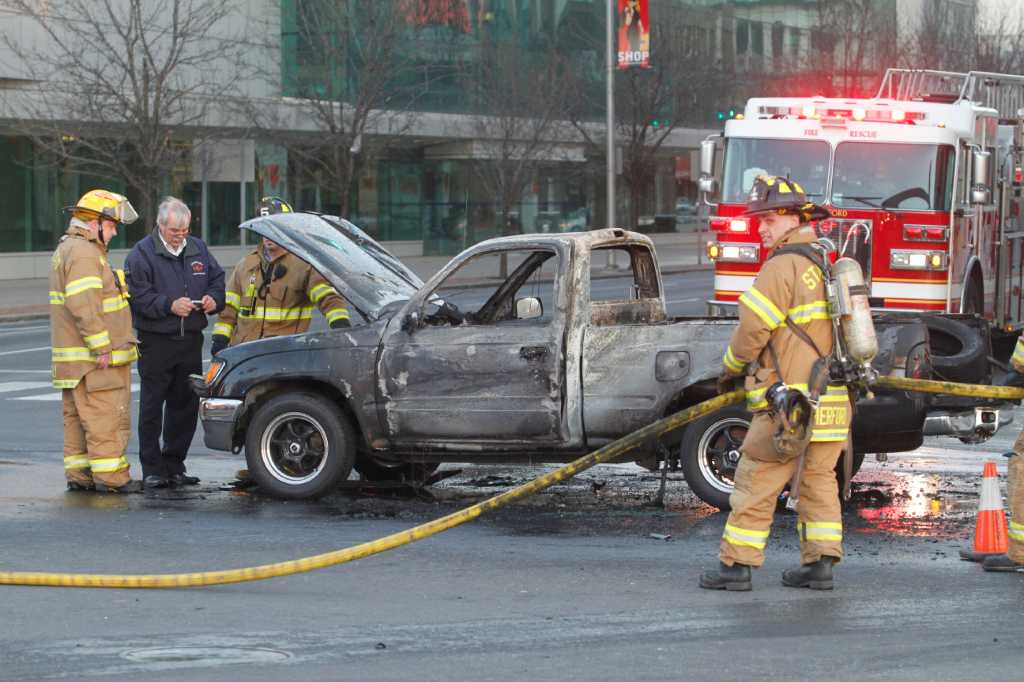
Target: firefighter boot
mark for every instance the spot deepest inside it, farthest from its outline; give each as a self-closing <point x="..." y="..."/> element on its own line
<point x="817" y="576"/>
<point x="129" y="487"/>
<point x="735" y="578"/>
<point x="1001" y="563"/>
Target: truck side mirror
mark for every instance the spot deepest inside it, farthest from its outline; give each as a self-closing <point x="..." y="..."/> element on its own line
<point x="981" y="180"/>
<point x="707" y="157"/>
<point x="529" y="308"/>
<point x="411" y="322"/>
<point x="706" y="184"/>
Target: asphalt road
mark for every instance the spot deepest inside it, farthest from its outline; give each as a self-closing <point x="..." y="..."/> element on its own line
<point x="566" y="585"/>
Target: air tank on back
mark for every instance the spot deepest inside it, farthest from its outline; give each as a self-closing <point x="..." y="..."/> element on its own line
<point x="855" y="311"/>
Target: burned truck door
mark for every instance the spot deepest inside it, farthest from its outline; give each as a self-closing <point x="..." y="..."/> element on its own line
<point x="478" y="364"/>
<point x="623" y="345"/>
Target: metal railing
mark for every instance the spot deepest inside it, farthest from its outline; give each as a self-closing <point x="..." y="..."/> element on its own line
<point x="1000" y="91"/>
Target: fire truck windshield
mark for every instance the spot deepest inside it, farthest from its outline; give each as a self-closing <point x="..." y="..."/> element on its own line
<point x="805" y="161"/>
<point x="893" y="176"/>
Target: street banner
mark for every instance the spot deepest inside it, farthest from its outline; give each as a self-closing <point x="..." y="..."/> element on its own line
<point x="634" y="34"/>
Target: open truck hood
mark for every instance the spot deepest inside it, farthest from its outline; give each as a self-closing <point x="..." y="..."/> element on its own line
<point x="360" y="269"/>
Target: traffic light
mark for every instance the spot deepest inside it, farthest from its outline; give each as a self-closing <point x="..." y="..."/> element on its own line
<point x="660" y="123"/>
<point x="727" y="114"/>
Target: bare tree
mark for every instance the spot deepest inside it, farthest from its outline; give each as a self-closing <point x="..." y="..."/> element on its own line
<point x="520" y="105"/>
<point x="682" y="86"/>
<point x="852" y="43"/>
<point x="117" y="79"/>
<point x="999" y="45"/>
<point x="360" y="72"/>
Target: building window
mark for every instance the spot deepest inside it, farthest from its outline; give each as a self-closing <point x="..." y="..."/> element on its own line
<point x="778" y="35"/>
<point x="757" y="38"/>
<point x="742" y="36"/>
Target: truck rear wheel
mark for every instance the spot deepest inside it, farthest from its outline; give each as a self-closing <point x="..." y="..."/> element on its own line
<point x="299" y="446"/>
<point x="710" y="452"/>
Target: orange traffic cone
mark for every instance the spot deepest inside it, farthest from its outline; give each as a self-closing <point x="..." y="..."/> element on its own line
<point x="990" y="535"/>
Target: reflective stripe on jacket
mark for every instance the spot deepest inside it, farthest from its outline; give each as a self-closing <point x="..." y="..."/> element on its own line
<point x="89" y="313"/>
<point x="788" y="285"/>
<point x="287" y="304"/>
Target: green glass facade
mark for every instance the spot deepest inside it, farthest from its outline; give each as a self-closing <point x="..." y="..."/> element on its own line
<point x="408" y="190"/>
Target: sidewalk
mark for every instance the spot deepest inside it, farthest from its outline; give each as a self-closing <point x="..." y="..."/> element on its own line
<point x="28" y="299"/>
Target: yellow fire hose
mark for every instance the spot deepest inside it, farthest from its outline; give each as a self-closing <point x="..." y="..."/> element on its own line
<point x="607" y="453"/>
<point x="950" y="388"/>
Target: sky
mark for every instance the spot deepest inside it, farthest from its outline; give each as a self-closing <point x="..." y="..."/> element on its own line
<point x="997" y="8"/>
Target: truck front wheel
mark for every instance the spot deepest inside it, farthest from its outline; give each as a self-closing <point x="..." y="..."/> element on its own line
<point x="710" y="452"/>
<point x="299" y="446"/>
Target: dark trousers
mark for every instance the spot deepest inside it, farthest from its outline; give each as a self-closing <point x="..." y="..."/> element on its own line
<point x="167" y="402"/>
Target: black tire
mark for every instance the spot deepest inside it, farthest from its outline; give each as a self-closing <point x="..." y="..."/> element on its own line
<point x="299" y="446"/>
<point x="709" y="453"/>
<point x="375" y="471"/>
<point x="958" y="352"/>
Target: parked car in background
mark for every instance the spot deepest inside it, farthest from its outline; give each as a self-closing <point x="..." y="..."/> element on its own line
<point x="686" y="215"/>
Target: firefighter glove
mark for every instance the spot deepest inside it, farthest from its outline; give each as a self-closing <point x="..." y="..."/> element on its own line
<point x="727" y="383"/>
<point x="220" y="342"/>
<point x="340" y="323"/>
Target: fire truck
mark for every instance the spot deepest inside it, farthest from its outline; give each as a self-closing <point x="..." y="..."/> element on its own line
<point x="923" y="183"/>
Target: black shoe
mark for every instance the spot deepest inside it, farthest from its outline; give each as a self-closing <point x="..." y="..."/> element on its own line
<point x="75" y="486"/>
<point x="735" y="578"/>
<point x="129" y="487"/>
<point x="817" y="576"/>
<point x="183" y="479"/>
<point x="154" y="481"/>
<point x="1000" y="563"/>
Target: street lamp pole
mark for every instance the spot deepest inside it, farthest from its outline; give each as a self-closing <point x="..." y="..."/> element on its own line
<point x="610" y="121"/>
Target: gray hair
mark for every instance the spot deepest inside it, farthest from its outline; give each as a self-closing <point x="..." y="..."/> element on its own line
<point x="172" y="206"/>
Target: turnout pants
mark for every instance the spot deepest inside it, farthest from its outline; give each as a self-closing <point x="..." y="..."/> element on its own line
<point x="97" y="426"/>
<point x="167" y="404"/>
<point x="1015" y="501"/>
<point x="760" y="478"/>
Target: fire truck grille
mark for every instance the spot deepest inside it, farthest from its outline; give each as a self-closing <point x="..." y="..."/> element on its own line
<point x="852" y="238"/>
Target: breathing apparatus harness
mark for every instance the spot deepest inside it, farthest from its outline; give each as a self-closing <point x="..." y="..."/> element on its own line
<point x="854" y="346"/>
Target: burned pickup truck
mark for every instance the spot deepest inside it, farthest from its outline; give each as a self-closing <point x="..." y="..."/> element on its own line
<point x="543" y="365"/>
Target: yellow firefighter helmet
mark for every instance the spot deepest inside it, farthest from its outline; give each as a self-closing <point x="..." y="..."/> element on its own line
<point x="99" y="203"/>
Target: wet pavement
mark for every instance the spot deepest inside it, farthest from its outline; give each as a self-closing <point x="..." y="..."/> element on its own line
<point x="590" y="579"/>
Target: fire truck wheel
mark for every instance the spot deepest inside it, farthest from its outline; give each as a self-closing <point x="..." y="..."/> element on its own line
<point x="958" y="352"/>
<point x="709" y="454"/>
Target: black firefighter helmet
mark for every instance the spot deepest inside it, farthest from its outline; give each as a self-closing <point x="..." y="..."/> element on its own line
<point x="272" y="205"/>
<point x="774" y="194"/>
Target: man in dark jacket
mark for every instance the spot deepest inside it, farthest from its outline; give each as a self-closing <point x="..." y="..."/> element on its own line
<point x="174" y="283"/>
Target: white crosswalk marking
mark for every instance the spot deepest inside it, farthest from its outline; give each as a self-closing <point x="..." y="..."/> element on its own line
<point x="13" y="386"/>
<point x="53" y="394"/>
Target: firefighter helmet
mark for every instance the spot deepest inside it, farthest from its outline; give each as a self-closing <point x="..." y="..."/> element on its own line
<point x="774" y="194"/>
<point x="99" y="203"/>
<point x="791" y="412"/>
<point x="272" y="205"/>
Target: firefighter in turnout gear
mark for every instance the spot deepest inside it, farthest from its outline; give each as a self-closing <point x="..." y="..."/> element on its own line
<point x="273" y="293"/>
<point x="93" y="345"/>
<point x="1013" y="560"/>
<point x="784" y="328"/>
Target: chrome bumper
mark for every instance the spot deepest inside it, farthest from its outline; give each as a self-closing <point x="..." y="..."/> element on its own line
<point x="219" y="409"/>
<point x="219" y="417"/>
<point x="972" y="426"/>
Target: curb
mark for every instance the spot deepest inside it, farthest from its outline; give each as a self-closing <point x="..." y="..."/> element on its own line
<point x="23" y="317"/>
